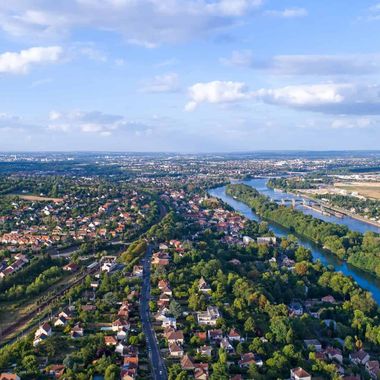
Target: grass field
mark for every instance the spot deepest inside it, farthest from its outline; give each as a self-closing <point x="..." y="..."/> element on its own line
<point x="367" y="189"/>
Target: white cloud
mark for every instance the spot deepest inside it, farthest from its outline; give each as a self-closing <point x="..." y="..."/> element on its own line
<point x="328" y="98"/>
<point x="21" y="62"/>
<point x="162" y="83"/>
<point x="307" y="64"/>
<point x="144" y="22"/>
<point x="239" y="58"/>
<point x="233" y="7"/>
<point x="346" y="98"/>
<point x="347" y="123"/>
<point x="288" y="13"/>
<point x="89" y="122"/>
<point x="216" y="92"/>
<point x="10" y="122"/>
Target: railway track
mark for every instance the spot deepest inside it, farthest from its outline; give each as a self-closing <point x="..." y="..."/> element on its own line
<point x="10" y="330"/>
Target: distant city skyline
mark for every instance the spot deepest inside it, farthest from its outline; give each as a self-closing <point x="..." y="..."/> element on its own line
<point x="189" y="75"/>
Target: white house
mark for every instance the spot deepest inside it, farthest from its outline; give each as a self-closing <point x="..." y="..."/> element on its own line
<point x="209" y="317"/>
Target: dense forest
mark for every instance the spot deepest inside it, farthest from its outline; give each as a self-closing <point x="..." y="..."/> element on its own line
<point x="360" y="250"/>
<point x="288" y="184"/>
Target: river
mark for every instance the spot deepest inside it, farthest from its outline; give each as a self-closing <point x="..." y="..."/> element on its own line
<point x="353" y="224"/>
<point x="364" y="279"/>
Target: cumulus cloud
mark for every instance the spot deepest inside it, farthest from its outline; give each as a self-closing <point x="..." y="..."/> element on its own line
<point x="288" y="13"/>
<point x="21" y="62"/>
<point x="162" y="83"/>
<point x="216" y="92"/>
<point x="143" y="22"/>
<point x="307" y="64"/>
<point x="331" y="98"/>
<point x="328" y="98"/>
<point x="91" y="122"/>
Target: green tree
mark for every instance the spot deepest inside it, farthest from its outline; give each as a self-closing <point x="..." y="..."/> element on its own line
<point x="175" y="309"/>
<point x="30" y="364"/>
<point x="112" y="372"/>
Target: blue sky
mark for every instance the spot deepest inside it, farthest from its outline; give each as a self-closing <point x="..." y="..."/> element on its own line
<point x="189" y="75"/>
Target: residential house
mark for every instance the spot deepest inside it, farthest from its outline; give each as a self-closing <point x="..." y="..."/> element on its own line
<point x="138" y="270"/>
<point x="121" y="334"/>
<point x="359" y="357"/>
<point x="226" y="345"/>
<point x="334" y="354"/>
<point x="187" y="363"/>
<point x="313" y="344"/>
<point x="250" y="358"/>
<point x="216" y="334"/>
<point x="160" y="258"/>
<point x="234" y="336"/>
<point x="77" y="331"/>
<point x="169" y="322"/>
<point x="373" y="368"/>
<point x="56" y="370"/>
<point x="203" y="286"/>
<point x="167" y="291"/>
<point x="119" y="324"/>
<point x="163" y="284"/>
<point x="163" y="301"/>
<point x="175" y="337"/>
<point x="71" y="267"/>
<point x="205" y="350"/>
<point x="121" y="348"/>
<point x="202" y="335"/>
<point x="328" y="299"/>
<point x="175" y="350"/>
<point x="42" y="333"/>
<point x="266" y="240"/>
<point x="299" y="374"/>
<point x="161" y="314"/>
<point x="247" y="240"/>
<point x="201" y="371"/>
<point x="110" y="340"/>
<point x="209" y="317"/>
<point x="108" y="266"/>
<point x="295" y="308"/>
<point x="60" y="321"/>
<point x="9" y="376"/>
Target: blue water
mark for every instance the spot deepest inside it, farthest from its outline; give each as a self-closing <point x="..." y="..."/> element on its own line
<point x="260" y="184"/>
<point x="364" y="279"/>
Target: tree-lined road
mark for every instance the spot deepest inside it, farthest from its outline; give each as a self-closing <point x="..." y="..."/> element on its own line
<point x="157" y="363"/>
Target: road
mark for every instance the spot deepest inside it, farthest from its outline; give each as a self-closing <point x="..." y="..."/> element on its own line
<point x="157" y="363"/>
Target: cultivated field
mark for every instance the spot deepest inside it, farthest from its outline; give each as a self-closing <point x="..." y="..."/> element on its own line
<point x="367" y="189"/>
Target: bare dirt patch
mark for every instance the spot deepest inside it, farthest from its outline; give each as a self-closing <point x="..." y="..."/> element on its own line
<point x="38" y="198"/>
<point x="367" y="189"/>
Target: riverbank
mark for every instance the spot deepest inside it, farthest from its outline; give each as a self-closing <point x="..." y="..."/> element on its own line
<point x="364" y="279"/>
<point x="339" y="209"/>
<point x="345" y="212"/>
<point x="361" y="251"/>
